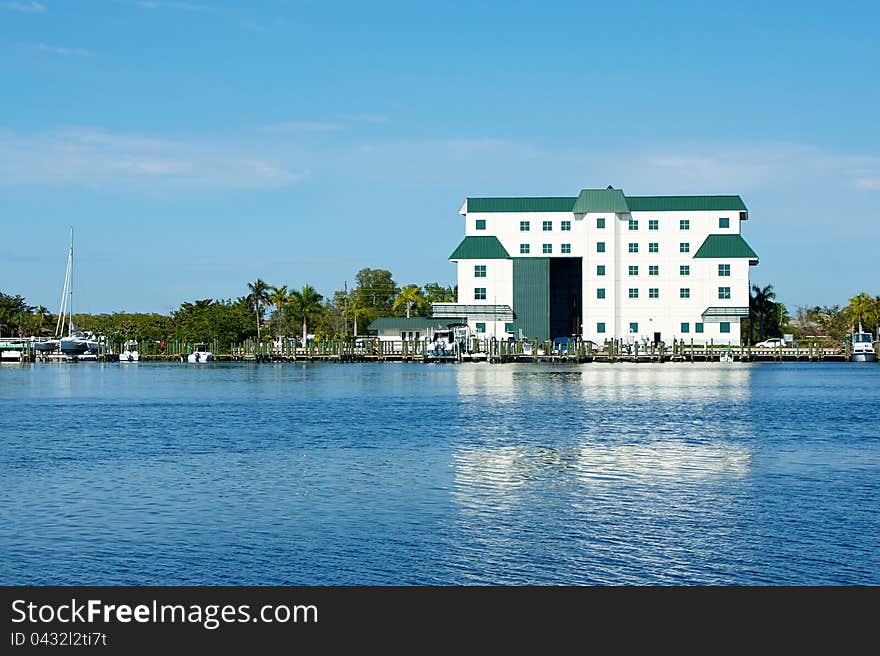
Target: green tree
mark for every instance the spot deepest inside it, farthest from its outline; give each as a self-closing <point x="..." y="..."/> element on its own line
<point x="408" y="298"/>
<point x="436" y="293"/>
<point x="307" y="304"/>
<point x="278" y="296"/>
<point x="258" y="297"/>
<point x="861" y="310"/>
<point x="761" y="310"/>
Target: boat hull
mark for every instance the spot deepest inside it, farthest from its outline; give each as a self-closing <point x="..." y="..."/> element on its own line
<point x="73" y="346"/>
<point x="862" y="357"/>
<point x="129" y="356"/>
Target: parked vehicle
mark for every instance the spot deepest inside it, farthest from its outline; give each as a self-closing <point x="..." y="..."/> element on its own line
<point x="774" y="342"/>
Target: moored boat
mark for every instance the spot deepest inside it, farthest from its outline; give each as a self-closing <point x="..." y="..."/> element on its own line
<point x="201" y="353"/>
<point x="861" y="347"/>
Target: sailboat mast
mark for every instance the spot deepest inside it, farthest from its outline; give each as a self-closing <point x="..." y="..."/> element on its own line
<point x="70" y="305"/>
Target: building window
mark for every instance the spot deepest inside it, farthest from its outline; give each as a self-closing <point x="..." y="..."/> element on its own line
<point x="653" y="247"/>
<point x="633" y="292"/>
<point x="547" y="248"/>
<point x="633" y="270"/>
<point x="566" y="249"/>
<point x="481" y="326"/>
<point x="600" y="222"/>
<point x="633" y="248"/>
<point x="479" y="271"/>
<point x="403" y="335"/>
<point x="724" y="293"/>
<point x="600" y="327"/>
<point x="654" y="270"/>
<point x="653" y="224"/>
<point x="600" y="247"/>
<point x="600" y="293"/>
<point x="684" y="269"/>
<point x="724" y="270"/>
<point x="524" y="226"/>
<point x="508" y="327"/>
<point x="654" y="292"/>
<point x="684" y="224"/>
<point x="600" y="269"/>
<point x="725" y="326"/>
<point x="481" y="224"/>
<point x="684" y="292"/>
<point x="698" y="327"/>
<point x="724" y="222"/>
<point x="685" y="327"/>
<point x="479" y="293"/>
<point x="684" y="247"/>
<point x="565" y="226"/>
<point x="633" y="224"/>
<point x="546" y="226"/>
<point x="523" y="249"/>
<point x="633" y="327"/>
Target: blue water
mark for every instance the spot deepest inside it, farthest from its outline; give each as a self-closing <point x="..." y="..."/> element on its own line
<point x="439" y="474"/>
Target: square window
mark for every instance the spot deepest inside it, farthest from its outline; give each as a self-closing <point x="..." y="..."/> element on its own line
<point x="565" y="226"/>
<point x="684" y="269"/>
<point x="600" y="327"/>
<point x="724" y="222"/>
<point x="479" y="293"/>
<point x="633" y="292"/>
<point x="524" y="226"/>
<point x="725" y="326"/>
<point x="654" y="292"/>
<point x="481" y="224"/>
<point x="684" y="292"/>
<point x="600" y="293"/>
<point x="547" y="248"/>
<point x="633" y="248"/>
<point x="698" y="327"/>
<point x="600" y="247"/>
<point x="654" y="247"/>
<point x="633" y="270"/>
<point x="481" y="327"/>
<point x="685" y="327"/>
<point x="684" y="224"/>
<point x="633" y="327"/>
<point x="403" y="335"/>
<point x="566" y="248"/>
<point x="653" y="224"/>
<point x="418" y="335"/>
<point x="479" y="271"/>
<point x="508" y="327"/>
<point x="600" y="222"/>
<point x="654" y="270"/>
<point x="724" y="270"/>
<point x="600" y="269"/>
<point x="724" y="293"/>
<point x="684" y="247"/>
<point x="633" y="224"/>
<point x="546" y="226"/>
<point x="524" y="249"/>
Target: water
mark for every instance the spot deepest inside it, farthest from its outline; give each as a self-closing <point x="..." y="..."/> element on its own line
<point x="425" y="474"/>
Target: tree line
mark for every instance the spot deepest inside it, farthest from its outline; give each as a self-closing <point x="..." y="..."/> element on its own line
<point x="265" y="312"/>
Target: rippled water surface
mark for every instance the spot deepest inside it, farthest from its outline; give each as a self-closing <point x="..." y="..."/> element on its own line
<point x="423" y="474"/>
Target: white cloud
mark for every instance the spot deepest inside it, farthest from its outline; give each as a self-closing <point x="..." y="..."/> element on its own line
<point x="868" y="184"/>
<point x="93" y="158"/>
<point x="25" y="7"/>
<point x="64" y="52"/>
<point x="302" y="126"/>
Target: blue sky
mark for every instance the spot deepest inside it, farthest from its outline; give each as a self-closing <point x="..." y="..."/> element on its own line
<point x="197" y="145"/>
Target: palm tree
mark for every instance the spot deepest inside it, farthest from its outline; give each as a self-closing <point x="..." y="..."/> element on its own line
<point x="278" y="296"/>
<point x="859" y="308"/>
<point x="306" y="302"/>
<point x="354" y="307"/>
<point x="761" y="302"/>
<point x="258" y="297"/>
<point x="409" y="296"/>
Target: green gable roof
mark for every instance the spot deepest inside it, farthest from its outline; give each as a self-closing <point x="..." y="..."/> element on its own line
<point x="413" y="323"/>
<point x="480" y="248"/>
<point x="685" y="203"/>
<point x="726" y="246"/>
<point x="600" y="200"/>
<point x="553" y="204"/>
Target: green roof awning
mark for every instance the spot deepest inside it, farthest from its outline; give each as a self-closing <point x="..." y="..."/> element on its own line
<point x="480" y="248"/>
<point x="601" y="200"/>
<point x="549" y="204"/>
<point x="685" y="203"/>
<point x="413" y="323"/>
<point x="726" y="246"/>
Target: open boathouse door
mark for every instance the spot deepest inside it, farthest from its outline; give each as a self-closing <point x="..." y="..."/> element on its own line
<point x="547" y="296"/>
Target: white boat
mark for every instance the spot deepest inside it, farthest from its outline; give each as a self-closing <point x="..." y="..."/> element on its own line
<point x="200" y="354"/>
<point x="726" y="357"/>
<point x="130" y="352"/>
<point x="862" y="347"/>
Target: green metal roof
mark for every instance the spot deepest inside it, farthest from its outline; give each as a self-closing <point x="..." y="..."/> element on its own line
<point x="480" y="248"/>
<point x="685" y="203"/>
<point x="413" y="323"/>
<point x="554" y="204"/>
<point x="600" y="200"/>
<point x="726" y="246"/>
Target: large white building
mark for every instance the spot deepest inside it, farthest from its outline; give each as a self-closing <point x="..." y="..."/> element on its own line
<point x="603" y="265"/>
